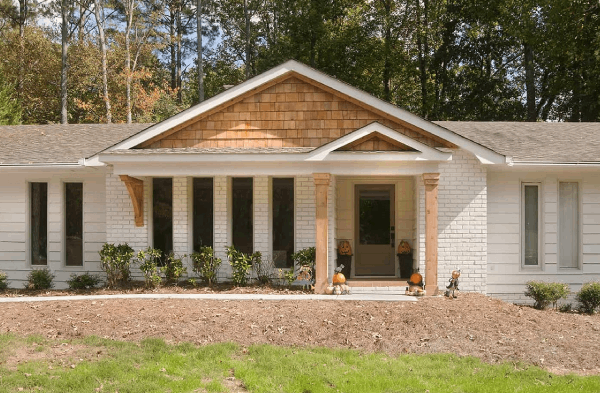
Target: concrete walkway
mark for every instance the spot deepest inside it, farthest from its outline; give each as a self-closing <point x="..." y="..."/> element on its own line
<point x="379" y="297"/>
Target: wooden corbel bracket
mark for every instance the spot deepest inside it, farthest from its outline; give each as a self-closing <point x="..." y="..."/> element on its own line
<point x="136" y="192"/>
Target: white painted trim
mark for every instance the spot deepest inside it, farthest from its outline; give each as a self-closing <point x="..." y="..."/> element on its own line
<point x="579" y="268"/>
<point x="540" y="265"/>
<point x="423" y="151"/>
<point x="484" y="154"/>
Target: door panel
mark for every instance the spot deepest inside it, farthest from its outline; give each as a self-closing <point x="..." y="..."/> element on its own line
<point x="374" y="221"/>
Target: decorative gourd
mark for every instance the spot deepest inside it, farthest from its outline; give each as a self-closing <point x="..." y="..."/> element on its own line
<point x="339" y="279"/>
<point x="344" y="248"/>
<point x="403" y="247"/>
<point x="329" y="290"/>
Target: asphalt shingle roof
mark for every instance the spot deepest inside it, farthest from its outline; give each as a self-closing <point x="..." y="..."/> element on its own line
<point x="536" y="142"/>
<point x="213" y="150"/>
<point x="58" y="143"/>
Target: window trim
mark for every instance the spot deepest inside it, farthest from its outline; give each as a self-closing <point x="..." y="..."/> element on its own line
<point x="151" y="209"/>
<point x="579" y="267"/>
<point x="271" y="216"/>
<point x="63" y="234"/>
<point x="190" y="210"/>
<point x="29" y="240"/>
<point x="230" y="210"/>
<point x="540" y="264"/>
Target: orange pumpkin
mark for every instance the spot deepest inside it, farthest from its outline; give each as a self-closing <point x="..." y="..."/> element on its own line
<point x="403" y="247"/>
<point x="416" y="278"/>
<point x="339" y="279"/>
<point x="344" y="248"/>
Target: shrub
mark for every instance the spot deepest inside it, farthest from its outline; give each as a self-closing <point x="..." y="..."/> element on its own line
<point x="83" y="281"/>
<point x="263" y="268"/>
<point x="40" y="279"/>
<point x="116" y="262"/>
<point x="240" y="264"/>
<point x="288" y="275"/>
<point x="589" y="297"/>
<point x="546" y="293"/>
<point x="173" y="268"/>
<point x="206" y="265"/>
<point x="148" y="261"/>
<point x="305" y="258"/>
<point x="3" y="279"/>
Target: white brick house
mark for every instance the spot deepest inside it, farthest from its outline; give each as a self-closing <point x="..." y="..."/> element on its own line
<point x="294" y="158"/>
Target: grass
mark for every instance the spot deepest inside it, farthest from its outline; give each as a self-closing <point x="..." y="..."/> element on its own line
<point x="98" y="365"/>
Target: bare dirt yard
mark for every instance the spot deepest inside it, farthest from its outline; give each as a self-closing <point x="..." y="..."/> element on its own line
<point x="473" y="325"/>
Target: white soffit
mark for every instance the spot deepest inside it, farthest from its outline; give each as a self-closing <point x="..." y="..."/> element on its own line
<point x="485" y="155"/>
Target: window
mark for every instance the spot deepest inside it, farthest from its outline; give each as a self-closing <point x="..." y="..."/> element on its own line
<point x="74" y="224"/>
<point x="568" y="221"/>
<point x="283" y="222"/>
<point x="39" y="223"/>
<point x="242" y="214"/>
<point x="162" y="214"/>
<point x="531" y="224"/>
<point x="203" y="212"/>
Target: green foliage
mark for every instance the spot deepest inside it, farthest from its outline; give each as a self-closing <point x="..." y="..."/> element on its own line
<point x="546" y="293"/>
<point x="289" y="276"/>
<point x="40" y="279"/>
<point x="83" y="281"/>
<point x="3" y="279"/>
<point x="116" y="262"/>
<point x="589" y="297"/>
<point x="306" y="258"/>
<point x="173" y="268"/>
<point x="148" y="261"/>
<point x="10" y="110"/>
<point x="240" y="264"/>
<point x="206" y="265"/>
<point x="263" y="268"/>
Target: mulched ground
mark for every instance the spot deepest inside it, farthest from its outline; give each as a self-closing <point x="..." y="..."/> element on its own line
<point x="473" y="325"/>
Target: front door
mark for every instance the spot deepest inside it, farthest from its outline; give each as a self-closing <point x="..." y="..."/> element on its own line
<point x="374" y="234"/>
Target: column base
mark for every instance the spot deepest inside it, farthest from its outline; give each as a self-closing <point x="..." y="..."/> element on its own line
<point x="431" y="290"/>
<point x="320" y="287"/>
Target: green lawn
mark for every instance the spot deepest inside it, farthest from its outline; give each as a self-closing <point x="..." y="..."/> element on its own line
<point x="154" y="366"/>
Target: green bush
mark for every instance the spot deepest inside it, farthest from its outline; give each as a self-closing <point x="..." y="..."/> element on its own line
<point x="116" y="262"/>
<point x="263" y="268"/>
<point x="148" y="261"/>
<point x="305" y="258"/>
<point x="589" y="297"/>
<point x="206" y="265"/>
<point x="40" y="279"/>
<point x="3" y="279"/>
<point x="240" y="264"/>
<point x="173" y="268"/>
<point x="83" y="281"/>
<point x="546" y="293"/>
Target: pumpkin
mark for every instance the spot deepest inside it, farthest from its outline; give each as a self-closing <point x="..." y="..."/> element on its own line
<point x="339" y="279"/>
<point x="403" y="247"/>
<point x="455" y="274"/>
<point x="416" y="279"/>
<point x="329" y="290"/>
<point x="344" y="248"/>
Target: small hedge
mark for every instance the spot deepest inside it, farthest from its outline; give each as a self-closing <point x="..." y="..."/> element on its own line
<point x="40" y="279"/>
<point x="83" y="281"/>
<point x="3" y="279"/>
<point x="546" y="293"/>
<point x="589" y="297"/>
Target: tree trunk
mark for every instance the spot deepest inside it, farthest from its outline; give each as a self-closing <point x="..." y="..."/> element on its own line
<point x="102" y="39"/>
<point x="422" y="48"/>
<point x="387" y="65"/>
<point x="64" y="11"/>
<point x="530" y="82"/>
<point x="179" y="49"/>
<point x="200" y="63"/>
<point x="172" y="47"/>
<point x="129" y="13"/>
<point x="248" y="49"/>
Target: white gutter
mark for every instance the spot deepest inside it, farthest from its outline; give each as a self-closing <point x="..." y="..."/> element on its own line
<point x="590" y="164"/>
<point x="54" y="165"/>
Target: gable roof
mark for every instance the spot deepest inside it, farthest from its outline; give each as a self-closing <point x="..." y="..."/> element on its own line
<point x="59" y="143"/>
<point x="293" y="67"/>
<point x="534" y="142"/>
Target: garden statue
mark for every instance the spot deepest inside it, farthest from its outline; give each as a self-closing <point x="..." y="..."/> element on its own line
<point x="452" y="288"/>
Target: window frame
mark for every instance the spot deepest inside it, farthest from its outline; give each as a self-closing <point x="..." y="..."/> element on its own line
<point x="190" y="205"/>
<point x="272" y="217"/>
<point x="151" y="226"/>
<point x="64" y="224"/>
<point x="29" y="226"/>
<point x="540" y="264"/>
<point x="579" y="267"/>
<point x="230" y="209"/>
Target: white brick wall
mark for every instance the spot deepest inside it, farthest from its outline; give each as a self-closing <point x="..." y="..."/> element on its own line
<point x="221" y="223"/>
<point x="262" y="216"/>
<point x="305" y="212"/>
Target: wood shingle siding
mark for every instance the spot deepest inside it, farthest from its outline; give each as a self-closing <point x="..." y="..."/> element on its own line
<point x="291" y="113"/>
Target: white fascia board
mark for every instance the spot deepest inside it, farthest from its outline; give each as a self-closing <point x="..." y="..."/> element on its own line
<point x="485" y="155"/>
<point x="380" y="156"/>
<point x="410" y="168"/>
<point x="322" y="152"/>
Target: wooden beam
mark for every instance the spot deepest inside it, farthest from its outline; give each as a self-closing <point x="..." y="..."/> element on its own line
<point x="431" y="181"/>
<point x="135" y="187"/>
<point x="322" y="221"/>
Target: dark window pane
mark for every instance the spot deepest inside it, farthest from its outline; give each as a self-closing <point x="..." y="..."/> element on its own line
<point x="241" y="205"/>
<point x="531" y="246"/>
<point x="203" y="212"/>
<point x="162" y="214"/>
<point x="74" y="223"/>
<point x="39" y="223"/>
<point x="374" y="212"/>
<point x="283" y="222"/>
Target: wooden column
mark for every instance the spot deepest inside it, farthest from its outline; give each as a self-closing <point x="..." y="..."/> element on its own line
<point x="431" y="181"/>
<point x="321" y="188"/>
<point x="135" y="187"/>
